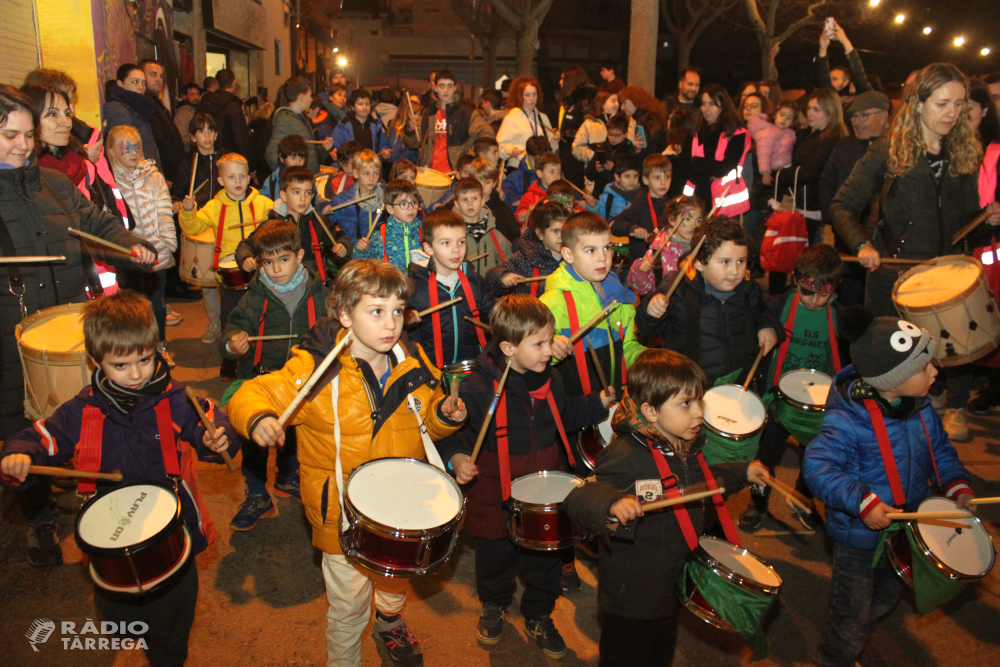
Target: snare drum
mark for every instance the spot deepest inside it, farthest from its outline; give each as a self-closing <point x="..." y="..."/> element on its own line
<point x="594" y="439"/>
<point x="233" y="277"/>
<point x="734" y="420"/>
<point x="197" y="253"/>
<point x="402" y="516"/>
<point x="431" y="185"/>
<point x="55" y="362"/>
<point x="948" y="297"/>
<point x="619" y="249"/>
<point x="461" y="370"/>
<point x="719" y="574"/>
<point x="802" y="406"/>
<point x="956" y="554"/>
<point x="134" y="536"/>
<point x="537" y="520"/>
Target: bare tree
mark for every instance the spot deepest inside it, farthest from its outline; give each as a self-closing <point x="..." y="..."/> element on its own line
<point x="487" y="27"/>
<point x="686" y="20"/>
<point x="765" y="17"/>
<point x="524" y="17"/>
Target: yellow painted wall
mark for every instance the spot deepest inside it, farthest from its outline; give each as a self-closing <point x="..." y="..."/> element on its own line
<point x="66" y="38"/>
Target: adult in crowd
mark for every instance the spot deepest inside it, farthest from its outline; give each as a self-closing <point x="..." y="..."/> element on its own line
<point x="491" y="108"/>
<point x="85" y="134"/>
<point x="650" y="118"/>
<point x="845" y="83"/>
<point x="576" y="95"/>
<point x="210" y="84"/>
<point x="992" y="82"/>
<point x="594" y="128"/>
<point x="610" y="83"/>
<point x="524" y="120"/>
<point x="747" y="88"/>
<point x="687" y="89"/>
<point x="37" y="208"/>
<point x="427" y="100"/>
<point x="869" y="116"/>
<point x="169" y="140"/>
<point x="294" y="99"/>
<point x="335" y="102"/>
<point x="770" y="89"/>
<point x="190" y="96"/>
<point x="126" y="103"/>
<point x="260" y="127"/>
<point x="225" y="106"/>
<point x="447" y="128"/>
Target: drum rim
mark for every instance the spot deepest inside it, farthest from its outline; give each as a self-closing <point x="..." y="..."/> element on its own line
<point x="460" y="366"/>
<point x="809" y="407"/>
<point x="914" y="528"/>
<point x="154" y="584"/>
<point x="544" y="545"/>
<point x="65" y="358"/>
<point x="718" y="567"/>
<point x="402" y="534"/>
<point x="152" y="541"/>
<point x="541" y="508"/>
<point x="933" y="263"/>
<point x="729" y="436"/>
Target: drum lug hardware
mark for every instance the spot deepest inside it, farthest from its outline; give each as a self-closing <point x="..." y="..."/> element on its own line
<point x="547" y="527"/>
<point x="424" y="555"/>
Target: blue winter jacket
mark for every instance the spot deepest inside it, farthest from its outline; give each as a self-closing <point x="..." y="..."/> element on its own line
<point x="353" y="220"/>
<point x="843" y="464"/>
<point x="344" y="131"/>
<point x="517" y="182"/>
<point x="612" y="201"/>
<point x="394" y="141"/>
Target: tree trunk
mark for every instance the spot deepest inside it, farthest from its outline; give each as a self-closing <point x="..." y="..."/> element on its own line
<point x="489" y="64"/>
<point x="525" y="49"/>
<point x="768" y="52"/>
<point x="642" y="44"/>
<point x="683" y="54"/>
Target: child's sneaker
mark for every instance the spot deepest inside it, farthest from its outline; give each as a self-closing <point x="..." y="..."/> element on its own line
<point x="212" y="334"/>
<point x="809" y="520"/>
<point x="544" y="632"/>
<point x="173" y="318"/>
<point x="287" y="487"/>
<point x="490" y="623"/>
<point x="395" y="636"/>
<point x="570" y="580"/>
<point x="752" y="518"/>
<point x="956" y="424"/>
<point x="43" y="545"/>
<point x="253" y="509"/>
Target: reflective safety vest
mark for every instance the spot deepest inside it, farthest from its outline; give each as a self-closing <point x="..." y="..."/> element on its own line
<point x="737" y="199"/>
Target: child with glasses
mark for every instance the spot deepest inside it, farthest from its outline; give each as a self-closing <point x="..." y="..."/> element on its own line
<point x="395" y="240"/>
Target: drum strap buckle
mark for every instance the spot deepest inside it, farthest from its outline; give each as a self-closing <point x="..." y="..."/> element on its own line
<point x="20" y="299"/>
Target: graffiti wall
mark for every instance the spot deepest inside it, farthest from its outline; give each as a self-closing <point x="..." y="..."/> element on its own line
<point x="131" y="31"/>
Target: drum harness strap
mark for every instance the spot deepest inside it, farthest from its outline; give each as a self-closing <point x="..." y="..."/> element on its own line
<point x="259" y="352"/>
<point x="680" y="511"/>
<point x="535" y="272"/>
<point x="501" y="433"/>
<point x="470" y="299"/>
<point x="222" y="228"/>
<point x="580" y="354"/>
<point x="790" y="329"/>
<point x="13" y="272"/>
<point x="317" y="251"/>
<point x="889" y="460"/>
<point x="652" y="215"/>
<point x="92" y="442"/>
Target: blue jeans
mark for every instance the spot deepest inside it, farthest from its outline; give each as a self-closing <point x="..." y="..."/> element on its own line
<point x="860" y="597"/>
<point x="255" y="463"/>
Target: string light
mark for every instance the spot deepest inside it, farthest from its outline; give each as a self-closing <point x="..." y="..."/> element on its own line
<point x="927" y="30"/>
<point x="900" y="18"/>
<point x="959" y="41"/>
<point x="985" y="51"/>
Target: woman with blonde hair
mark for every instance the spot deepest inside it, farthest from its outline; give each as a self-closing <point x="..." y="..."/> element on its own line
<point x="524" y="120"/>
<point x="409" y="107"/>
<point x="650" y="118"/>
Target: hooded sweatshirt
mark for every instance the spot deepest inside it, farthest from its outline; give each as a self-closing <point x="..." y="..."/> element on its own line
<point x="145" y="191"/>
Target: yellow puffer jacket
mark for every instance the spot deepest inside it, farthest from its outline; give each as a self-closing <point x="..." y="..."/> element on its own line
<point x="398" y="432"/>
<point x="254" y="207"/>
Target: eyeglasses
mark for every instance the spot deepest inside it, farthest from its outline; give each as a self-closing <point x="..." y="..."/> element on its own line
<point x="407" y="205"/>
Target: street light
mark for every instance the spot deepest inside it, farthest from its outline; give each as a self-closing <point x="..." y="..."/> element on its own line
<point x="927" y="30"/>
<point x="336" y="49"/>
<point x="985" y="51"/>
<point x="873" y="3"/>
<point x="342" y="62"/>
<point x="900" y="18"/>
<point x="959" y="41"/>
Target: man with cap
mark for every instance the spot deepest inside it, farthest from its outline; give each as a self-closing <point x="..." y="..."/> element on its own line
<point x="869" y="115"/>
<point x="880" y="448"/>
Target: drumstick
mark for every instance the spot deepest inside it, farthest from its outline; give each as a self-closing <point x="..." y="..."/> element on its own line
<point x="489" y="414"/>
<point x="597" y="365"/>
<point x="69" y="472"/>
<point x="682" y="271"/>
<point x="434" y="309"/>
<point x="585" y="195"/>
<point x="669" y="502"/>
<point x="32" y="258"/>
<point x="983" y="501"/>
<point x="322" y="223"/>
<point x="477" y="257"/>
<point x="792" y="495"/>
<point x="673" y="230"/>
<point x="575" y="337"/>
<point x="454" y="391"/>
<point x="90" y="238"/>
<point x="885" y="260"/>
<point x="313" y="379"/>
<point x="209" y="426"/>
<point x="916" y="516"/>
<point x="718" y="204"/>
<point x="371" y="230"/>
<point x="413" y="115"/>
<point x="482" y="325"/>
<point x="194" y="173"/>
<point x="197" y="189"/>
<point x="274" y="337"/>
<point x="964" y="231"/>
<point x="248" y="224"/>
<point x="350" y="203"/>
<point x="313" y="141"/>
<point x="753" y="369"/>
<point x="521" y="281"/>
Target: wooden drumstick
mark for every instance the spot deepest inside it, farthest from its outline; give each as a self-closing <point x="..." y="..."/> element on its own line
<point x="322" y="223"/>
<point x="917" y="516"/>
<point x="792" y="495"/>
<point x="753" y="369"/>
<point x="90" y="238"/>
<point x="314" y="141"/>
<point x="209" y="426"/>
<point x="983" y="501"/>
<point x="350" y="203"/>
<point x="597" y="365"/>
<point x="197" y="189"/>
<point x="32" y="258"/>
<point x="885" y="260"/>
<point x="273" y="337"/>
<point x="248" y="224"/>
<point x="669" y="502"/>
<point x="454" y="392"/>
<point x="413" y="115"/>
<point x="718" y="204"/>
<point x="682" y="271"/>
<point x="440" y="306"/>
<point x="489" y="415"/>
<point x="482" y="325"/>
<point x="522" y="281"/>
<point x="673" y="230"/>
<point x="477" y="257"/>
<point x="583" y="193"/>
<point x="69" y="472"/>
<point x="194" y="173"/>
<point x="313" y="379"/>
<point x="586" y="327"/>
<point x="964" y="231"/>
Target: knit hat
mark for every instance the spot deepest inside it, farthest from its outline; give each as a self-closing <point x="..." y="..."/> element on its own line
<point x="890" y="351"/>
<point x="872" y="99"/>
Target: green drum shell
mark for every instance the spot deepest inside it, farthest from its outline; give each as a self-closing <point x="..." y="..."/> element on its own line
<point x="722" y="447"/>
<point x="461" y="370"/>
<point x="803" y="420"/>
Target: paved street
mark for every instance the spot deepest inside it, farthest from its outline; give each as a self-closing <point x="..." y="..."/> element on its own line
<point x="262" y="600"/>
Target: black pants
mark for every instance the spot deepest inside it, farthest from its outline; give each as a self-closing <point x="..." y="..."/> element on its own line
<point x="498" y="562"/>
<point x="772" y="447"/>
<point x="228" y="300"/>
<point x="627" y="642"/>
<point x="168" y="613"/>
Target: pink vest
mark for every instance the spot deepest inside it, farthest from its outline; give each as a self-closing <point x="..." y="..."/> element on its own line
<point x="737" y="199"/>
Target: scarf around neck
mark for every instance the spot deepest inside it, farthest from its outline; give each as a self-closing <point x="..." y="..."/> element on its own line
<point x="126" y="400"/>
<point x="290" y="286"/>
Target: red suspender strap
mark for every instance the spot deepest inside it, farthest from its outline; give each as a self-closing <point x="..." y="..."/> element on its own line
<point x="885" y="448"/>
<point x="385" y="253"/>
<point x="317" y="251"/>
<point x="165" y="425"/>
<point x="88" y="450"/>
<point x="432" y="292"/>
<point x="930" y="450"/>
<point x="579" y="354"/>
<point x="260" y="344"/>
<point x="720" y="505"/>
<point x="559" y="427"/>
<point x="496" y="244"/>
<point x="789" y="330"/>
<point x="471" y="301"/>
<point x="501" y="430"/>
<point x="534" y="285"/>
<point x="218" y="237"/>
<point x="834" y="350"/>
<point x="652" y="215"/>
<point x="253" y="216"/>
<point x="680" y="512"/>
<point x="312" y="312"/>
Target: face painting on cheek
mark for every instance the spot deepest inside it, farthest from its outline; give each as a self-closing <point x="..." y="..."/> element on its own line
<point x="127" y="148"/>
<point x="809" y="287"/>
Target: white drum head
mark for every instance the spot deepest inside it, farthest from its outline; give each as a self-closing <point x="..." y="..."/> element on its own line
<point x="61" y="333"/>
<point x="140" y="510"/>
<point x="731" y="410"/>
<point x="228" y="262"/>
<point x="806" y="386"/>
<point x="404" y="494"/>
<point x="544" y="488"/>
<point x="604" y="428"/>
<point x="969" y="551"/>
<point x="739" y="562"/>
<point x="937" y="283"/>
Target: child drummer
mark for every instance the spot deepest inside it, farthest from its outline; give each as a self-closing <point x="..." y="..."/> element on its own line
<point x="529" y="427"/>
<point x="880" y="447"/>
<point x="374" y="375"/>
<point x="656" y="453"/>
<point x="130" y="394"/>
<point x="809" y="317"/>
